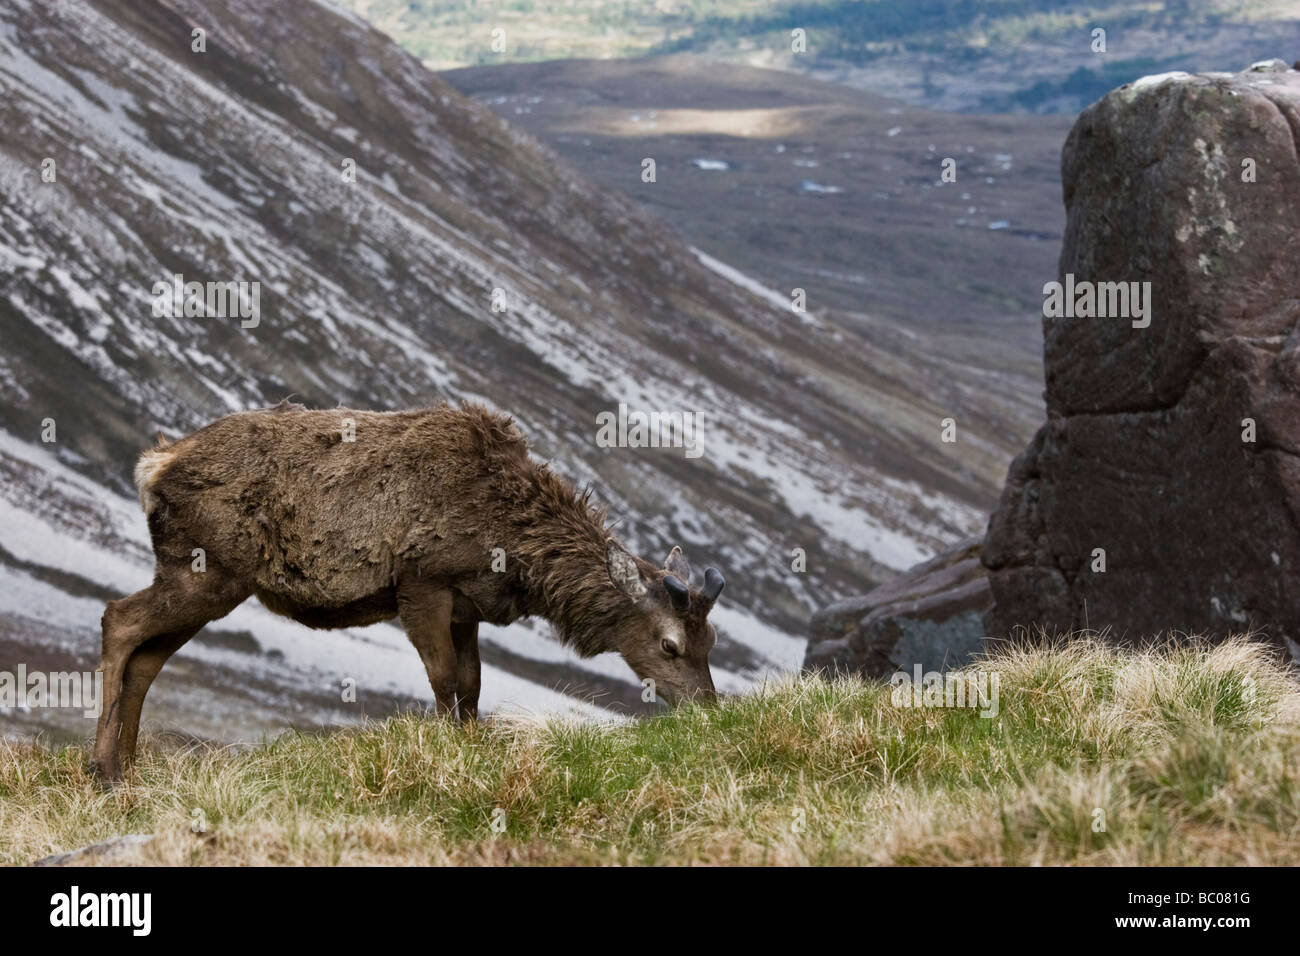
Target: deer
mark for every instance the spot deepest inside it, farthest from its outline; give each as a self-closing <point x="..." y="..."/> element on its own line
<point x="438" y="517"/>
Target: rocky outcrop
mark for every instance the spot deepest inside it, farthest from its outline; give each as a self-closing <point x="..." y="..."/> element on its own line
<point x="932" y="615"/>
<point x="1163" y="493"/>
<point x="116" y="851"/>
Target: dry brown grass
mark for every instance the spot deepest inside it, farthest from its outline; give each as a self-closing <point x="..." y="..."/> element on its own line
<point x="1096" y="756"/>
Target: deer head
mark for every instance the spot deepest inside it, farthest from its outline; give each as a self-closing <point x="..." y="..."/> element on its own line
<point x="667" y="637"/>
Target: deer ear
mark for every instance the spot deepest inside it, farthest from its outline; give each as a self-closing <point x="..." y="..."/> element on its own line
<point x="624" y="572"/>
<point x="677" y="565"/>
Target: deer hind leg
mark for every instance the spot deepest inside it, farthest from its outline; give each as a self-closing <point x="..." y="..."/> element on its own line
<point x="425" y="611"/>
<point x="141" y="669"/>
<point x="468" y="668"/>
<point x="152" y="623"/>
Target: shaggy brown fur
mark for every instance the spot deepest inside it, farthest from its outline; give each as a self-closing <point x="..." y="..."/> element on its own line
<point x="343" y="518"/>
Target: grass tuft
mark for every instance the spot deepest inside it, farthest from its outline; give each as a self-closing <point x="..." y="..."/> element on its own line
<point x="1175" y="755"/>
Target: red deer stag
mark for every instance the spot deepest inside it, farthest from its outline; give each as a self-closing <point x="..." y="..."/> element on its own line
<point x="343" y="518"/>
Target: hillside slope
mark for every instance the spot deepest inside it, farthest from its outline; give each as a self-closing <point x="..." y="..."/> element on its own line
<point x="814" y="184"/>
<point x="990" y="55"/>
<point x="225" y="165"/>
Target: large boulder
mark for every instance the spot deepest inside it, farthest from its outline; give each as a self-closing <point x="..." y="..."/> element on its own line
<point x="932" y="615"/>
<point x="1163" y="493"/>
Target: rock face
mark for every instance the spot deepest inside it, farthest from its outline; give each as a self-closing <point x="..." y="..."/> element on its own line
<point x="932" y="615"/>
<point x="1172" y="448"/>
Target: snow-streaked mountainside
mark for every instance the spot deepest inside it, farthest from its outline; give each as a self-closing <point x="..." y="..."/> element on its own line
<point x="226" y="165"/>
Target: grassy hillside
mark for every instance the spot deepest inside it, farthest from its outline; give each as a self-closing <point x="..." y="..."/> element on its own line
<point x="1031" y="55"/>
<point x="1094" y="757"/>
<point x="817" y="186"/>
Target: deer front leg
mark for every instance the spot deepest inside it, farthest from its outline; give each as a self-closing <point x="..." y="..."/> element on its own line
<point x="468" y="668"/>
<point x="425" y="611"/>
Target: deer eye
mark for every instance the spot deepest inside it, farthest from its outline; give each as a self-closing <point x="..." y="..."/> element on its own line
<point x="669" y="647"/>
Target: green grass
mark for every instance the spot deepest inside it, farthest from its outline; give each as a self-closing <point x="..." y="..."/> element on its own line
<point x="1097" y="756"/>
